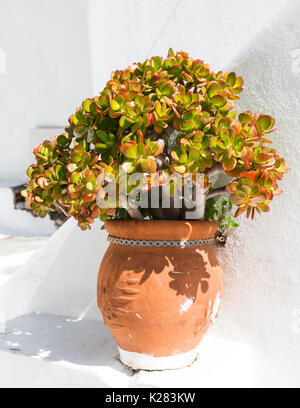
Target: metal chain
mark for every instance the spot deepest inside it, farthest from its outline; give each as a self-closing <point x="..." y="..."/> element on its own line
<point x="182" y="244"/>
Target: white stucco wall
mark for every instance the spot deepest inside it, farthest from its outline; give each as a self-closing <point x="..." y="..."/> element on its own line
<point x="262" y="260"/>
<point x="123" y="32"/>
<point x="48" y="74"/>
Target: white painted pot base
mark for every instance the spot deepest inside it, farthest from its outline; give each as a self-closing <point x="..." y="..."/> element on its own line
<point x="139" y="361"/>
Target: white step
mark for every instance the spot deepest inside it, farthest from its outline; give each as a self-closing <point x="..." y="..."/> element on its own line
<point x="40" y="350"/>
<point x="20" y="222"/>
<point x="15" y="251"/>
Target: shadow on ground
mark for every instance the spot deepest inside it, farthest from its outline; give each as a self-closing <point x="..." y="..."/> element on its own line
<point x="58" y="338"/>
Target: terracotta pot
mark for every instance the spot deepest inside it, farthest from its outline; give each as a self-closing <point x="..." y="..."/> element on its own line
<point x="158" y="302"/>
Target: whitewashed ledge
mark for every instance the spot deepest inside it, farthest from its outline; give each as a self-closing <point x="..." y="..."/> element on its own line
<point x="13" y="221"/>
<point x="40" y="350"/>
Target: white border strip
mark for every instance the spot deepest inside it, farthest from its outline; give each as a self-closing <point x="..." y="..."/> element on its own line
<point x="139" y="361"/>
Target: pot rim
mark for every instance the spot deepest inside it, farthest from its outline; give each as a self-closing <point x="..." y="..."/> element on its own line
<point x="161" y="230"/>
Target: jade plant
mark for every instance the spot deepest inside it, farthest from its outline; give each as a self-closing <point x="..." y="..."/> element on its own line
<point x="160" y="118"/>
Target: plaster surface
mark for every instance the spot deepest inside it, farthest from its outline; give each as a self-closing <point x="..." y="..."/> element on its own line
<point x="133" y="30"/>
<point x="41" y="350"/>
<point x="47" y="73"/>
<point x="61" y="277"/>
<point x="19" y="222"/>
<point x="262" y="259"/>
<point x="15" y="251"/>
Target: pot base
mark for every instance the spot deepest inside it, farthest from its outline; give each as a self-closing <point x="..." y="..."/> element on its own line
<point x="139" y="361"/>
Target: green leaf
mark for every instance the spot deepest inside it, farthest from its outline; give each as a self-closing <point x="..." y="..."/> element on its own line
<point x="102" y="135"/>
<point x="125" y="122"/>
<point x="171" y="53"/>
<point x="76" y="157"/>
<point x="129" y="150"/>
<point x="266" y="122"/>
<point x="245" y="117"/>
<point x="230" y="80"/>
<point x="187" y="126"/>
<point x="80" y="131"/>
<point x="141" y="101"/>
<point x="114" y="105"/>
<point x="141" y="149"/>
<point x="148" y="165"/>
<point x="194" y="155"/>
<point x="100" y="147"/>
<point x="60" y="172"/>
<point x="239" y="82"/>
<point x="63" y="140"/>
<point x="29" y="172"/>
<point x="218" y="100"/>
<point x="214" y="89"/>
<point x="183" y="158"/>
<point x="86" y="105"/>
<point x="175" y="156"/>
<point x="108" y="124"/>
<point x="157" y="62"/>
<point x="229" y="164"/>
<point x="236" y="91"/>
<point x="75" y="178"/>
<point x="179" y="168"/>
<point x="130" y="111"/>
<point x="104" y="217"/>
<point x="168" y="90"/>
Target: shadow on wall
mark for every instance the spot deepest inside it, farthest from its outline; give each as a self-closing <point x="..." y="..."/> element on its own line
<point x="185" y="279"/>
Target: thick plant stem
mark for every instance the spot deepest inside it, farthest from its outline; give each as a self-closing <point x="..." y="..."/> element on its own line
<point x="134" y="213"/>
<point x="62" y="209"/>
<point x="216" y="192"/>
<point x="198" y="211"/>
<point x="217" y="169"/>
